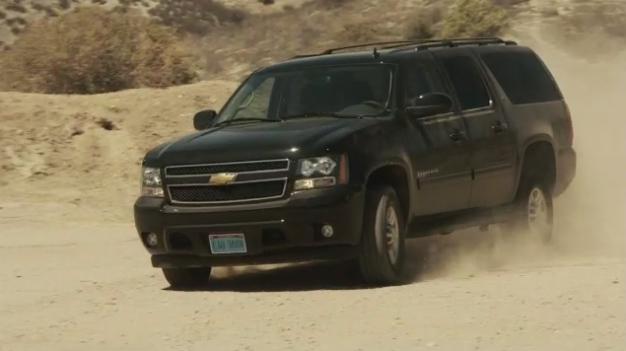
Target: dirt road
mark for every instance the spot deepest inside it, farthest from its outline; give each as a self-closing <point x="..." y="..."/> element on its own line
<point x="87" y="285"/>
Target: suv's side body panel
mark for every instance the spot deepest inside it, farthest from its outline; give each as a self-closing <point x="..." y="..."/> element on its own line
<point x="490" y="141"/>
<point x="441" y="164"/>
<point x="534" y="122"/>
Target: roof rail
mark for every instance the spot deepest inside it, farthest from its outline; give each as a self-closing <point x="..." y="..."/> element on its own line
<point x="418" y="44"/>
<point x="453" y="42"/>
<point x="364" y="45"/>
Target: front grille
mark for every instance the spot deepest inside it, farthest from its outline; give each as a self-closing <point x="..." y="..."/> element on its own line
<point x="238" y="167"/>
<point x="230" y="193"/>
<point x="252" y="181"/>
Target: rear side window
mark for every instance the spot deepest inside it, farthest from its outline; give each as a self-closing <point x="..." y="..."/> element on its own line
<point x="467" y="82"/>
<point x="522" y="76"/>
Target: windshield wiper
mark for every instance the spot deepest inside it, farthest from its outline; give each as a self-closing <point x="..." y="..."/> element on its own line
<point x="236" y="120"/>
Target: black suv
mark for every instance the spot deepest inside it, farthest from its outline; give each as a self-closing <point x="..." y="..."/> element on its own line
<point x="344" y="155"/>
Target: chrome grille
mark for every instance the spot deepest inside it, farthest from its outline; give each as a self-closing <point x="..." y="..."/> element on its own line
<point x="254" y="181"/>
<point x="233" y="167"/>
<point x="229" y="193"/>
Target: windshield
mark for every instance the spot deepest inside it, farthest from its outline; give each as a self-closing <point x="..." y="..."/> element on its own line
<point x="350" y="91"/>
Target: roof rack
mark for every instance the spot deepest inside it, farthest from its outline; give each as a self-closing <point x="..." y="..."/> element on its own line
<point x="418" y="44"/>
<point x="453" y="42"/>
<point x="374" y="44"/>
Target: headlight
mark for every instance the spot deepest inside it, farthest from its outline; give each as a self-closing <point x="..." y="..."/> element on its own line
<point x="151" y="184"/>
<point x="321" y="172"/>
<point x="317" y="165"/>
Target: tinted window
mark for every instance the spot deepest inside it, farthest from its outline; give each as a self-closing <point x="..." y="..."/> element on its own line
<point x="467" y="82"/>
<point x="417" y="83"/>
<point x="256" y="105"/>
<point x="522" y="76"/>
<point x="350" y="89"/>
<point x="361" y="90"/>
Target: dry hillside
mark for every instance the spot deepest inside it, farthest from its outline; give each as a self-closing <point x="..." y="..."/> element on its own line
<point x="16" y="15"/>
<point x="92" y="145"/>
<point x="233" y="37"/>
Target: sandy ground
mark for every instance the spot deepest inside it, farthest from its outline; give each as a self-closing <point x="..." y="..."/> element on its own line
<point x="86" y="284"/>
<point x="78" y="286"/>
<point x="74" y="275"/>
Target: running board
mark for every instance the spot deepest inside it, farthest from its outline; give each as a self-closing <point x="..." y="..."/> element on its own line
<point x="446" y="223"/>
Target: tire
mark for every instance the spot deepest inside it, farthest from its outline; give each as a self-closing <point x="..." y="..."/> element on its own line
<point x="533" y="214"/>
<point x="382" y="248"/>
<point x="187" y="277"/>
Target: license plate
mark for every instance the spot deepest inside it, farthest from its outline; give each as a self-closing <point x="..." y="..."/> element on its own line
<point x="222" y="244"/>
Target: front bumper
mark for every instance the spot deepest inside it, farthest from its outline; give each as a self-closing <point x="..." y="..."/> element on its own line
<point x="280" y="231"/>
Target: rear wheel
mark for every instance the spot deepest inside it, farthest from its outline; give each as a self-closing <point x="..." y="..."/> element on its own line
<point x="187" y="277"/>
<point x="533" y="214"/>
<point x="382" y="256"/>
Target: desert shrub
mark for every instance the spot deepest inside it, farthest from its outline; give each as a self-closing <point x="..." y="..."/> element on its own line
<point x="361" y="32"/>
<point x="195" y="16"/>
<point x="425" y="23"/>
<point x="462" y="18"/>
<point x="16" y="7"/>
<point x="65" y="4"/>
<point x="474" y="18"/>
<point x="92" y="51"/>
<point x="509" y="2"/>
<point x="332" y="3"/>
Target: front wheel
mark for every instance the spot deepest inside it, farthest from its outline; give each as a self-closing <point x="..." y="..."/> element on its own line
<point x="382" y="251"/>
<point x="187" y="277"/>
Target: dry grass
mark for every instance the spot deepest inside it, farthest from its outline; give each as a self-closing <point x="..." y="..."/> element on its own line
<point x="474" y="18"/>
<point x="93" y="51"/>
<point x="195" y="16"/>
<point x="459" y="18"/>
<point x="426" y="23"/>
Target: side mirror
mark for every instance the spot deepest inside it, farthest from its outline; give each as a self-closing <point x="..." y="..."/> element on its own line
<point x="429" y="104"/>
<point x="204" y="119"/>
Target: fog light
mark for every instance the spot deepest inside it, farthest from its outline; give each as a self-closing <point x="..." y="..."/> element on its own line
<point x="327" y="231"/>
<point x="313" y="183"/>
<point x="152" y="240"/>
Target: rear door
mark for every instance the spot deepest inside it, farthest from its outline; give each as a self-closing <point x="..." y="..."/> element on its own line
<point x="492" y="155"/>
<point x="437" y="144"/>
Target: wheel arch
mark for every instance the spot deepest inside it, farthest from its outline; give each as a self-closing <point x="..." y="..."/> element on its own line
<point x="396" y="175"/>
<point x="540" y="153"/>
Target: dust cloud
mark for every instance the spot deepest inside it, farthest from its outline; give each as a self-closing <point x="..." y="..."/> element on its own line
<point x="590" y="217"/>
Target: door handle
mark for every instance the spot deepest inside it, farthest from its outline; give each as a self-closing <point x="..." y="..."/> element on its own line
<point x="457" y="135"/>
<point x="498" y="127"/>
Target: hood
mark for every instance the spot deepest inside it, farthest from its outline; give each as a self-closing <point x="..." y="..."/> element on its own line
<point x="258" y="140"/>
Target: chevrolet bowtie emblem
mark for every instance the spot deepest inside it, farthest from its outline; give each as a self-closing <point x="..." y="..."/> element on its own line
<point x="222" y="178"/>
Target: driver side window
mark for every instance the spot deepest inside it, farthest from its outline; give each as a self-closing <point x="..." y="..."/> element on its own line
<point x="418" y="82"/>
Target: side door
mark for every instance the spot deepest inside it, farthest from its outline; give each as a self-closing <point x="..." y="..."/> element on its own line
<point x="491" y="141"/>
<point x="437" y="144"/>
